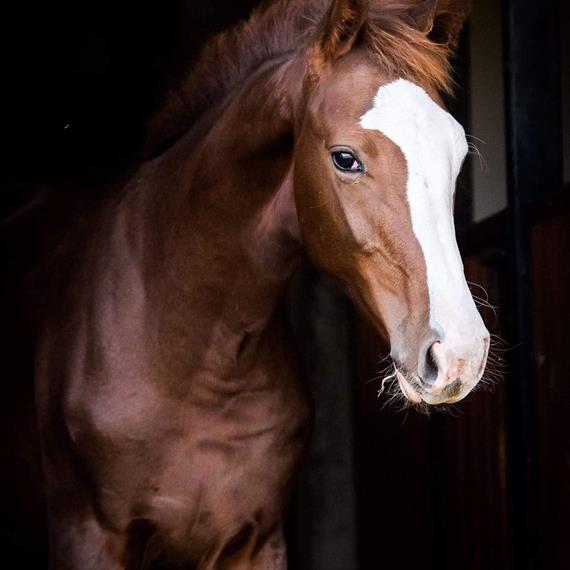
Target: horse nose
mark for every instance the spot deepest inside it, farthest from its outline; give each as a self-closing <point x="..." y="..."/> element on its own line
<point x="427" y="364"/>
<point x="428" y="367"/>
<point x="448" y="373"/>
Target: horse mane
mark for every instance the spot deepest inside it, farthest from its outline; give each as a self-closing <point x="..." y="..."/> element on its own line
<point x="280" y="27"/>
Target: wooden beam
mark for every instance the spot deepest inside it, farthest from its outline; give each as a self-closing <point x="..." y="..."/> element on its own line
<point x="534" y="142"/>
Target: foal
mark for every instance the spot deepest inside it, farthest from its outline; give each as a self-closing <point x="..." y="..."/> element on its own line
<point x="171" y="411"/>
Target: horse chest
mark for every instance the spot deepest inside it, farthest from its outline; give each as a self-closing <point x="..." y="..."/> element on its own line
<point x="211" y="459"/>
<point x="230" y="471"/>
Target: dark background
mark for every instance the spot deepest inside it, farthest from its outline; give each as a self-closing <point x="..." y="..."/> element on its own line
<point x="483" y="486"/>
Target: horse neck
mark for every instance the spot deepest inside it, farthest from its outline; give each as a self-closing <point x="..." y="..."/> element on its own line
<point x="224" y="202"/>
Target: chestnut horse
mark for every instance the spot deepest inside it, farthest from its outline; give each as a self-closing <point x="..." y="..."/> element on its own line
<point x="171" y="411"/>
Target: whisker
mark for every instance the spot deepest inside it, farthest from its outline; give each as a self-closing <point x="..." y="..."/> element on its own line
<point x="475" y="138"/>
<point x="473" y="150"/>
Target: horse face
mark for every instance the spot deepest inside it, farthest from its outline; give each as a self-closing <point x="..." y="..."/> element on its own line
<point x="376" y="164"/>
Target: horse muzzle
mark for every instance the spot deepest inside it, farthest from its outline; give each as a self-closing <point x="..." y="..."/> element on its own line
<point x="446" y="373"/>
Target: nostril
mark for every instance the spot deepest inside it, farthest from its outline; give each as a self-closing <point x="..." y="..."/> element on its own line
<point x="430" y="367"/>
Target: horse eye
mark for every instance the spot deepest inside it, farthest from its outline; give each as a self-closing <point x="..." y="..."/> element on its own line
<point x="346" y="161"/>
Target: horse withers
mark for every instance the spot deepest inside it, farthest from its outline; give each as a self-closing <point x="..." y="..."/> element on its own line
<point x="171" y="410"/>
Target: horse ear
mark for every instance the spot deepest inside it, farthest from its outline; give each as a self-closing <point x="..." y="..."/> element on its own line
<point x="423" y="14"/>
<point x="441" y="20"/>
<point x="340" y="27"/>
<point x="449" y="20"/>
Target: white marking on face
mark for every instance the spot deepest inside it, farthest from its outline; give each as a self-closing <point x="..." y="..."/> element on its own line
<point x="434" y="146"/>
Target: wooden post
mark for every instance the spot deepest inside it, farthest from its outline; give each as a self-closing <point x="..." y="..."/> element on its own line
<point x="533" y="120"/>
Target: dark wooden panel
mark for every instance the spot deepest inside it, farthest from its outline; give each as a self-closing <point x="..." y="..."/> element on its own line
<point x="551" y="312"/>
<point x="394" y="471"/>
<point x="469" y="449"/>
<point x="438" y="482"/>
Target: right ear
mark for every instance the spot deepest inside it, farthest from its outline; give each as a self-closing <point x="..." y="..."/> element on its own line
<point x="340" y="28"/>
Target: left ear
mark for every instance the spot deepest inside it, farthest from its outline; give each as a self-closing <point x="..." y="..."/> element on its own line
<point x="341" y="27"/>
<point x="423" y="14"/>
<point x="441" y="20"/>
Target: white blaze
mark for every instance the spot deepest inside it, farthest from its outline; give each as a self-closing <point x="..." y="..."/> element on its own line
<point x="434" y="146"/>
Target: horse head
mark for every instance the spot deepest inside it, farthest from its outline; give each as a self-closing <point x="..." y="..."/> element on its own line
<point x="375" y="167"/>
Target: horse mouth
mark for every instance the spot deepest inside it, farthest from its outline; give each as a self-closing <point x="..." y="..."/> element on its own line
<point x="415" y="392"/>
